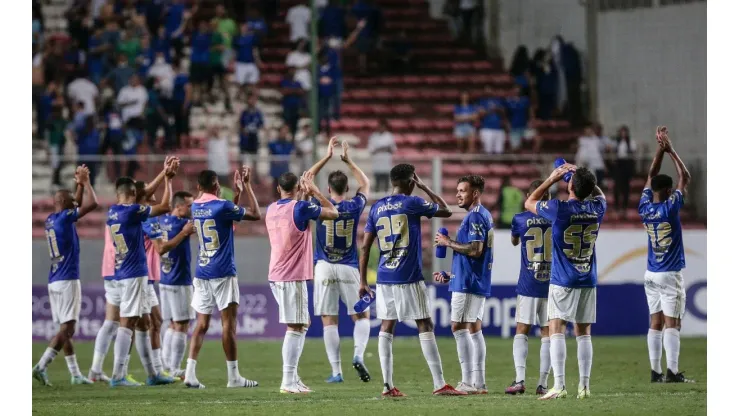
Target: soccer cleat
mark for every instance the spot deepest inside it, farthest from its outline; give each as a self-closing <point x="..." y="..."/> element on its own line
<point x="391" y="392"/>
<point x="302" y="387"/>
<point x="98" y="377"/>
<point x="242" y="382"/>
<point x="656" y="377"/>
<point x="132" y="380"/>
<point x="159" y="380"/>
<point x="335" y="379"/>
<point x="482" y="389"/>
<point x="554" y="393"/>
<point x="359" y="366"/>
<point x="80" y="380"/>
<point x="677" y="378"/>
<point x="515" y="387"/>
<point x="541" y="390"/>
<point x="583" y="392"/>
<point x="466" y="388"/>
<point x="179" y="374"/>
<point x="41" y="376"/>
<point x="123" y="382"/>
<point x="448" y="390"/>
<point x="194" y="385"/>
<point x="292" y="389"/>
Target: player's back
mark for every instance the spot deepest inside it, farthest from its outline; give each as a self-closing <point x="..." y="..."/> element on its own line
<point x="125" y="226"/>
<point x="175" y="264"/>
<point x="213" y="219"/>
<point x="663" y="225"/>
<point x="575" y="227"/>
<point x="473" y="274"/>
<point x="64" y="245"/>
<point x="396" y="220"/>
<point x="535" y="236"/>
<point x="335" y="239"/>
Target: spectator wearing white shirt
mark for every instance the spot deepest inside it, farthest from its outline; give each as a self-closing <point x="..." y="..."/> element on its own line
<point x="218" y="152"/>
<point x="381" y="146"/>
<point x="624" y="169"/>
<point x="298" y="17"/>
<point x="162" y="71"/>
<point x="83" y="90"/>
<point x="300" y="59"/>
<point x="132" y="101"/>
<point x="590" y="153"/>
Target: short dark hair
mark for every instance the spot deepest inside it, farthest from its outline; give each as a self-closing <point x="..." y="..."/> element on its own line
<point x="140" y="187"/>
<point x="288" y="181"/>
<point x="207" y="180"/>
<point x="402" y="172"/>
<point x="534" y="185"/>
<point x="584" y="183"/>
<point x="179" y="197"/>
<point x="661" y="182"/>
<point x="475" y="181"/>
<point x="125" y="185"/>
<point x="338" y="182"/>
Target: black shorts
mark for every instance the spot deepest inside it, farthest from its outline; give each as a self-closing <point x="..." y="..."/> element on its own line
<point x="200" y="72"/>
<point x="217" y="70"/>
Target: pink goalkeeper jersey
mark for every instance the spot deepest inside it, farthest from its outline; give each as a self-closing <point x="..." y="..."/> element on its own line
<point x="291" y="256"/>
<point x="109" y="257"/>
<point x="152" y="259"/>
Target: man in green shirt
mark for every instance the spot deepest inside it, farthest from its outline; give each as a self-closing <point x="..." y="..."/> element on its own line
<point x="129" y="45"/>
<point x="510" y="203"/>
<point x="227" y="27"/>
<point x="218" y="69"/>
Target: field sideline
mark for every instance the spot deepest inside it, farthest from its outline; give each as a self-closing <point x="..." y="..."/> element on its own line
<point x="619" y="384"/>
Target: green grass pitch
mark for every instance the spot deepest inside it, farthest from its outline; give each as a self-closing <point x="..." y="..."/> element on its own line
<point x="619" y="383"/>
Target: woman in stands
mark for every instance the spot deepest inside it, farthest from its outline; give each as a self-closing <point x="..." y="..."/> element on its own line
<point x="466" y="115"/>
<point x="520" y="69"/>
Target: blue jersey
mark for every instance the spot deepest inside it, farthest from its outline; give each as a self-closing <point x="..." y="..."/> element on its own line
<point x="396" y="220"/>
<point x="535" y="239"/>
<point x="336" y="238"/>
<point x="663" y="226"/>
<point x="214" y="221"/>
<point x="126" y="230"/>
<point x="491" y="119"/>
<point x="64" y="246"/>
<point x="575" y="226"/>
<point x="473" y="274"/>
<point x="175" y="264"/>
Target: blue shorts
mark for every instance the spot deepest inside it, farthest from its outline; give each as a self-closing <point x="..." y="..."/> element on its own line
<point x="463" y="131"/>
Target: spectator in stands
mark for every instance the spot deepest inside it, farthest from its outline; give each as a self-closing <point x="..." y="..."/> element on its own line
<point x="88" y="148"/>
<point x="248" y="61"/>
<point x="568" y="62"/>
<point x="96" y="55"/>
<point x="293" y="93"/>
<point x="200" y="60"/>
<point x="174" y="24"/>
<point x="492" y="133"/>
<point x="218" y="152"/>
<point x="256" y="23"/>
<point x="74" y="61"/>
<point x="217" y="70"/>
<point x="366" y="10"/>
<point x="227" y="27"/>
<point x="155" y="15"/>
<point x="300" y="59"/>
<point x="132" y="100"/>
<point x="129" y="46"/>
<point x="55" y="128"/>
<point x="299" y="17"/>
<point x="83" y="90"/>
<point x="145" y="59"/>
<point x="182" y="93"/>
<point x="590" y="153"/>
<point x="327" y="91"/>
<point x="251" y="122"/>
<point x="332" y="22"/>
<point x="39" y="92"/>
<point x="114" y="136"/>
<point x="78" y="23"/>
<point x="520" y="116"/>
<point x="77" y="125"/>
<point x="468" y="11"/>
<point x="382" y="145"/>
<point x="546" y="77"/>
<point x="624" y="169"/>
<point x="161" y="44"/>
<point x="304" y="144"/>
<point x="466" y="115"/>
<point x="334" y="49"/>
<point x="519" y="70"/>
<point x="121" y="74"/>
<point x="156" y="116"/>
<point x="280" y="149"/>
<point x="510" y="202"/>
<point x="162" y="71"/>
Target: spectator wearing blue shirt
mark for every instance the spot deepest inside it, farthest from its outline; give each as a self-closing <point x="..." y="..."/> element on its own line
<point x="174" y="23"/>
<point x="161" y="43"/>
<point x="366" y="10"/>
<point x="466" y="115"/>
<point x="332" y="21"/>
<point x="519" y="69"/>
<point x="492" y="133"/>
<point x="280" y="149"/>
<point x="520" y="115"/>
<point x="251" y="122"/>
<point x="200" y="58"/>
<point x="248" y="62"/>
<point x="114" y="136"/>
<point x="145" y="57"/>
<point x="96" y="55"/>
<point x="256" y="23"/>
<point x="181" y="101"/>
<point x="334" y="49"/>
<point x="327" y="89"/>
<point x="546" y="76"/>
<point x="121" y="74"/>
<point x="88" y="147"/>
<point x="293" y="92"/>
<point x="156" y="117"/>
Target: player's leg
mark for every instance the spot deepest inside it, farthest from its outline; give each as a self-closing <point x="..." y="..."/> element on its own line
<point x="156" y="338"/>
<point x="331" y="344"/>
<point x="107" y="331"/>
<point x="673" y="301"/>
<point x="167" y="298"/>
<point x="385" y="305"/>
<point x="544" y="357"/>
<point x="143" y="344"/>
<point x="585" y="316"/>
<point x="655" y="332"/>
<point x="181" y="313"/>
<point x="226" y="293"/>
<point x="460" y="306"/>
<point x="349" y="289"/>
<point x="203" y="304"/>
<point x="71" y="358"/>
<point x="326" y="305"/>
<point x="561" y="306"/>
<point x="479" y="354"/>
<point x="525" y="318"/>
<point x="292" y="300"/>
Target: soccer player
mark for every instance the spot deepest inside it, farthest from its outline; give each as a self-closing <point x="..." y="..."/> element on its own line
<point x="335" y="258"/>
<point x="64" y="277"/>
<point x="176" y="286"/>
<point x="535" y="235"/>
<point x="659" y="209"/>
<point x="572" y="291"/>
<point x="395" y="221"/>
<point x="470" y="282"/>
<point x="288" y="226"/>
<point x="216" y="283"/>
<point x="124" y="222"/>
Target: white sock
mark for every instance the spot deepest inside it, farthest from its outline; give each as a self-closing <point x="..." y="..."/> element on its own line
<point x="232" y="368"/>
<point x="178" y="342"/>
<point x="144" y="348"/>
<point x="167" y="349"/>
<point x="557" y="358"/>
<point x="385" y="352"/>
<point x="585" y="358"/>
<point x="331" y="343"/>
<point x="300" y="352"/>
<point x="431" y="354"/>
<point x="672" y="345"/>
<point x="291" y="351"/>
<point x="190" y="371"/>
<point x="655" y="349"/>
<point x="120" y="352"/>
<point x="479" y="359"/>
<point x="465" y="354"/>
<point x="74" y="369"/>
<point x="157" y="360"/>
<point x="361" y="336"/>
<point x="126" y="361"/>
<point x="521" y="348"/>
<point x="47" y="358"/>
<point x="544" y="361"/>
<point x="102" y="343"/>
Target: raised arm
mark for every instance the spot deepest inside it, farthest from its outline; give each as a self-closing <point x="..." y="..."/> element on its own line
<point x="657" y="159"/>
<point x="367" y="244"/>
<point x="315" y="169"/>
<point x="684" y="177"/>
<point x="472" y="249"/>
<point x="531" y="203"/>
<point x="253" y="208"/>
<point x="359" y="175"/>
<point x="79" y="188"/>
<point x="91" y="200"/>
<point x="164" y="206"/>
<point x="164" y="247"/>
<point x="444" y="209"/>
<point x="355" y="33"/>
<point x="328" y="210"/>
<point x="152" y="186"/>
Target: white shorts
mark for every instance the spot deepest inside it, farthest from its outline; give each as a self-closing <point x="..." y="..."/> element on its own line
<point x="246" y="73"/>
<point x="151" y="298"/>
<point x="65" y="297"/>
<point x="402" y="302"/>
<point x="577" y="305"/>
<point x="292" y="300"/>
<point x="133" y="296"/>
<point x="219" y="292"/>
<point x="531" y="311"/>
<point x="176" y="301"/>
<point x="467" y="307"/>
<point x="331" y="283"/>
<point x="112" y="292"/>
<point x="493" y="140"/>
<point x="666" y="293"/>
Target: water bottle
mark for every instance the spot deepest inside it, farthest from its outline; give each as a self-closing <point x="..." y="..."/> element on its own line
<point x="441" y="250"/>
<point x="364" y="303"/>
<point x="445" y="275"/>
<point x="560" y="162"/>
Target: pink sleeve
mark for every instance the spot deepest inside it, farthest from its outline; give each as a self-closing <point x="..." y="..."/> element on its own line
<point x="152" y="259"/>
<point x="109" y="256"/>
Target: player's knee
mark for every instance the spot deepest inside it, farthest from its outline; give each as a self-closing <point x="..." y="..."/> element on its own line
<point x="144" y="323"/>
<point x="425" y="325"/>
<point x="456" y="326"/>
<point x="180" y="326"/>
<point x="68" y="329"/>
<point x="522" y="329"/>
